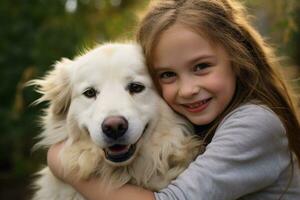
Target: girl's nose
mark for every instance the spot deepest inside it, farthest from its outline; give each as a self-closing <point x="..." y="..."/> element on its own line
<point x="188" y="89"/>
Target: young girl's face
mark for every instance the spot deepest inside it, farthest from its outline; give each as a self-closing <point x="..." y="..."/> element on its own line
<point x="196" y="78"/>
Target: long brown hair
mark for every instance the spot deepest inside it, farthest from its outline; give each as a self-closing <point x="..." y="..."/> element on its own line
<point x="226" y="22"/>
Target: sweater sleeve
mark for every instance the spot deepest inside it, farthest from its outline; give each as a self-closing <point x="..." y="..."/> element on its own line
<point x="247" y="153"/>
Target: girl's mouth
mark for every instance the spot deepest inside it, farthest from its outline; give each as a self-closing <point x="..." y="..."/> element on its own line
<point x="197" y="106"/>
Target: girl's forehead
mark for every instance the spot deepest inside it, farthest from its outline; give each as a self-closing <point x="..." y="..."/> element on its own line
<point x="179" y="30"/>
<point x="182" y="43"/>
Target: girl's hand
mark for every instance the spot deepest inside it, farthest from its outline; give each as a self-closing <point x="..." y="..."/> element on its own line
<point x="91" y="189"/>
<point x="54" y="162"/>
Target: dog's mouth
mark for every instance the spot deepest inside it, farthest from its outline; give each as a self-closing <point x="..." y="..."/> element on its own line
<point x="119" y="153"/>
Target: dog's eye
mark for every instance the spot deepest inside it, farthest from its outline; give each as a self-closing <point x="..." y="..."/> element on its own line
<point x="135" y="87"/>
<point x="90" y="93"/>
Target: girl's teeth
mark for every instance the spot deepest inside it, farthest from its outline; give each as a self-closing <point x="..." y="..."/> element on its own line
<point x="197" y="104"/>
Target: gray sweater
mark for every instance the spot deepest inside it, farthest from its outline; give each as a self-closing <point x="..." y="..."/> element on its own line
<point x="248" y="159"/>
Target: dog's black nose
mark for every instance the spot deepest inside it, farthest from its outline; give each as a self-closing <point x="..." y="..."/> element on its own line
<point x="114" y="127"/>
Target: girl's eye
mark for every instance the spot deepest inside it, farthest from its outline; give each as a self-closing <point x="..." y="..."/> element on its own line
<point x="166" y="75"/>
<point x="135" y="88"/>
<point x="201" y="66"/>
<point x="90" y="93"/>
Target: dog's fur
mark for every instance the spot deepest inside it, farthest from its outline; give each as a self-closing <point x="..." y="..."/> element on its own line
<point x="165" y="142"/>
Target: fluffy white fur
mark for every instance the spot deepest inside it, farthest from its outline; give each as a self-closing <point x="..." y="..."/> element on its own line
<point x="164" y="150"/>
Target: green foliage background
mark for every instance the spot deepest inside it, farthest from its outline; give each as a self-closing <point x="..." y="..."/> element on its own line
<point x="36" y="33"/>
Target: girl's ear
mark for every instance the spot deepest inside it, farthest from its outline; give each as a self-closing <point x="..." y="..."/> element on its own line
<point x="55" y="87"/>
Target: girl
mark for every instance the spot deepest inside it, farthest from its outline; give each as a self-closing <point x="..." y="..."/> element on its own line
<point x="213" y="68"/>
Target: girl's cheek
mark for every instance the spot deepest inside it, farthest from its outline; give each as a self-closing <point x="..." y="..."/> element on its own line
<point x="167" y="93"/>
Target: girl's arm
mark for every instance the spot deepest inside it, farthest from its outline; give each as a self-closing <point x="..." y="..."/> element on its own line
<point x="91" y="189"/>
<point x="248" y="157"/>
<point x="247" y="154"/>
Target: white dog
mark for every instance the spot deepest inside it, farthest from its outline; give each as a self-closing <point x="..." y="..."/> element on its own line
<point x="116" y="125"/>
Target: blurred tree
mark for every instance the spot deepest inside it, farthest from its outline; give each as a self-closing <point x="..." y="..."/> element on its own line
<point x="294" y="40"/>
<point x="279" y="22"/>
<point x="33" y="35"/>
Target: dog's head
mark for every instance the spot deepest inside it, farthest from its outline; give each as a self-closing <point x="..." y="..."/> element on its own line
<point x="106" y="95"/>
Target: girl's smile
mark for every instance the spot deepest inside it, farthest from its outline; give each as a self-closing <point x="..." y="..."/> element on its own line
<point x="198" y="106"/>
<point x="195" y="75"/>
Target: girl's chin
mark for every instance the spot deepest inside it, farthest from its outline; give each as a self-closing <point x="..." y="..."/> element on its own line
<point x="201" y="119"/>
<point x="200" y="122"/>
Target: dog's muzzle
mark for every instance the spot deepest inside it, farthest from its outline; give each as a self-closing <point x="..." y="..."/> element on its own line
<point x="115" y="127"/>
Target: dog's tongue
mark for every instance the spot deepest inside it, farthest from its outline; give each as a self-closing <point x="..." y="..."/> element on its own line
<point x="118" y="148"/>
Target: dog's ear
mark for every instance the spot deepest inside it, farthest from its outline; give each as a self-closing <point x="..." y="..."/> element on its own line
<point x="55" y="87"/>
